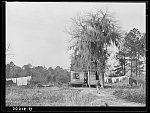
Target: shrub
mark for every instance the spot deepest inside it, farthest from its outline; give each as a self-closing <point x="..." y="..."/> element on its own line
<point x="133" y="95"/>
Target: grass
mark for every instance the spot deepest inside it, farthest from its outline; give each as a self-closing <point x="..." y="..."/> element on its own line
<point x="62" y="95"/>
<point x="23" y="96"/>
<point x="81" y="98"/>
<point x="132" y="94"/>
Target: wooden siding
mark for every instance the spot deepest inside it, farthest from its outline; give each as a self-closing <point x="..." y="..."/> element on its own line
<point x="77" y="81"/>
<point x="92" y="78"/>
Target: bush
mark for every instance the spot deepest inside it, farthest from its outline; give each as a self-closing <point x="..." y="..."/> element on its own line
<point x="133" y="95"/>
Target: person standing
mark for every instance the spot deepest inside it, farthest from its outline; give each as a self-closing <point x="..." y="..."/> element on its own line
<point x="98" y="86"/>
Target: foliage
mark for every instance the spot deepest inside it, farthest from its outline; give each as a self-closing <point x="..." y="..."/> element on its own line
<point x="91" y="34"/>
<point x="39" y="74"/>
<point x="133" y="95"/>
<point x="129" y="55"/>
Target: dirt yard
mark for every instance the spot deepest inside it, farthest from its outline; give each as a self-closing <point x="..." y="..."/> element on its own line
<point x="63" y="96"/>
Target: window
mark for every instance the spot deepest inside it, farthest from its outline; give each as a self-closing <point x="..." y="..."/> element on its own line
<point x="76" y="76"/>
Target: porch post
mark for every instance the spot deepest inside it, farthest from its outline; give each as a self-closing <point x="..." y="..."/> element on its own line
<point x="89" y="78"/>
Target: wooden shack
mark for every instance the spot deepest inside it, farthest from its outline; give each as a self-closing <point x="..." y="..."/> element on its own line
<point x="79" y="73"/>
<point x="78" y="77"/>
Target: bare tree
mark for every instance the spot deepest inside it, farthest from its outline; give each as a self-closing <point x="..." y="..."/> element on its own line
<point x="8" y="52"/>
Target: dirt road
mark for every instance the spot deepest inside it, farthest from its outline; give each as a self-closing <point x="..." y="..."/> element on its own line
<point x="106" y="96"/>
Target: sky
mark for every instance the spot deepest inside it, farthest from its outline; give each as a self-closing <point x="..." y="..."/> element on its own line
<point x="36" y="30"/>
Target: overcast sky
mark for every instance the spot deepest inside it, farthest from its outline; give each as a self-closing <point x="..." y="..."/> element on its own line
<point x="36" y="30"/>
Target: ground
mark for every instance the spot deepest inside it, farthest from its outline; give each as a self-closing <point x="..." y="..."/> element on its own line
<point x="106" y="96"/>
<point x="63" y="96"/>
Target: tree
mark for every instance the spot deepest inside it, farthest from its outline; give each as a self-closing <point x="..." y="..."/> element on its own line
<point x="142" y="50"/>
<point x="8" y="51"/>
<point x="51" y="74"/>
<point x="61" y="76"/>
<point x="121" y="68"/>
<point x="13" y="71"/>
<point x="27" y="67"/>
<point x="39" y="75"/>
<point x="27" y="70"/>
<point x="135" y="44"/>
<point x="91" y="34"/>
